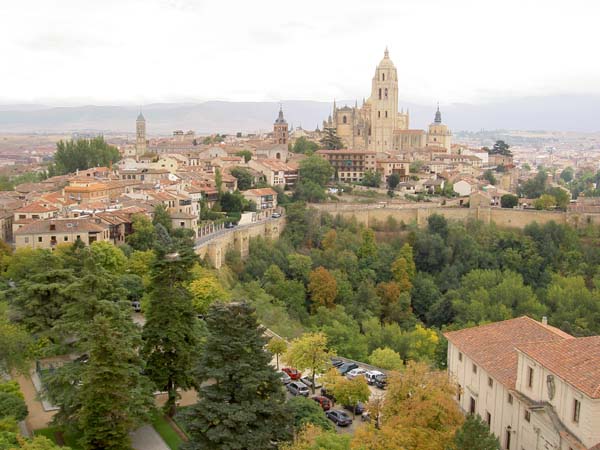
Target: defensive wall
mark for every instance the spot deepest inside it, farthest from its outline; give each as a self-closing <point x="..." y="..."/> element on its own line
<point x="370" y="215"/>
<point x="215" y="246"/>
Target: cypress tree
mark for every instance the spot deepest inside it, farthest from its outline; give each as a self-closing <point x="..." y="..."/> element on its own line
<point x="241" y="406"/>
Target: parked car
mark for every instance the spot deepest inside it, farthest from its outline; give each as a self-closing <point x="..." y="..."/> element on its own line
<point x="347" y="367"/>
<point x="324" y="402"/>
<point x="229" y="225"/>
<point x="381" y="381"/>
<point x="136" y="305"/>
<point x="307" y="381"/>
<point x="359" y="408"/>
<point x="336" y="362"/>
<point x="285" y="378"/>
<point x="339" y="417"/>
<point x="328" y="394"/>
<point x="276" y="215"/>
<point x="370" y="376"/>
<point x="298" y="388"/>
<point x="355" y="373"/>
<point x="292" y="373"/>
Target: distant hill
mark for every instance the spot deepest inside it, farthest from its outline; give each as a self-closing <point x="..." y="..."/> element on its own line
<point x="552" y="113"/>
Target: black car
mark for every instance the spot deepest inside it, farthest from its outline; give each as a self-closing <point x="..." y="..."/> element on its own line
<point x="347" y="367"/>
<point x="380" y="381"/>
<point x="359" y="408"/>
<point x="339" y="417"/>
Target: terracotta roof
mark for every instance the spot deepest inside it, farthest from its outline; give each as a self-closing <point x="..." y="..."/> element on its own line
<point x="492" y="346"/>
<point x="577" y="361"/>
<point x="263" y="191"/>
<point x="36" y="208"/>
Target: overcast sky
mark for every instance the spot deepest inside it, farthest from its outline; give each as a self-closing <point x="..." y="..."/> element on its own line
<point x="141" y="51"/>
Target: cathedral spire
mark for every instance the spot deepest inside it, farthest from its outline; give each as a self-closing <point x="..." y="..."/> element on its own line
<point x="438" y="115"/>
<point x="386" y="53"/>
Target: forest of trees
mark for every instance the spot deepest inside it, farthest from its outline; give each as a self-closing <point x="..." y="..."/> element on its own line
<point x="330" y="286"/>
<point x="82" y="154"/>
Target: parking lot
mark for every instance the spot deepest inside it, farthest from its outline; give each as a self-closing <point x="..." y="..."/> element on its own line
<point x="357" y="420"/>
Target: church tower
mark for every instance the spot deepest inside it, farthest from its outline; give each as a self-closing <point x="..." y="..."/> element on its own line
<point x="384" y="105"/>
<point x="140" y="135"/>
<point x="439" y="135"/>
<point x="280" y="129"/>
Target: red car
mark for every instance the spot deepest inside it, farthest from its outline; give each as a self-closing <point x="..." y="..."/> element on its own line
<point x="292" y="373"/>
<point x="324" y="402"/>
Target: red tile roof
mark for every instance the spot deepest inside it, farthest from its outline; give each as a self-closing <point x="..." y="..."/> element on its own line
<point x="36" y="208"/>
<point x="492" y="346"/>
<point x="577" y="361"/>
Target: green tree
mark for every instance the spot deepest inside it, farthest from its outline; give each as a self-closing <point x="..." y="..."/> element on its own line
<point x="545" y="201"/>
<point x="143" y="235"/>
<point x="315" y="169"/>
<point x="245" y="180"/>
<point x="500" y="148"/>
<point x="310" y="352"/>
<point x="393" y="181"/>
<point x="386" y="358"/>
<point x="371" y="178"/>
<point x="218" y="180"/>
<point x="509" y="201"/>
<point x="83" y="154"/>
<point x="299" y="267"/>
<point x="161" y="216"/>
<point x="277" y="347"/>
<point x="170" y="336"/>
<point x="243" y="406"/>
<point x="109" y="257"/>
<point x="16" y="344"/>
<point x="475" y="435"/>
<point x="567" y="174"/>
<point x="306" y="411"/>
<point x="304" y="146"/>
<point x="331" y="141"/>
<point x="351" y="392"/>
<point x="488" y="175"/>
<point x="247" y="154"/>
<point x="534" y="187"/>
<point x="114" y="396"/>
<point x="12" y="405"/>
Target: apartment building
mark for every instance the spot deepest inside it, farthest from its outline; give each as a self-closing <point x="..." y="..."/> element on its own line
<point x="536" y="386"/>
<point x="48" y="233"/>
<point x="350" y="165"/>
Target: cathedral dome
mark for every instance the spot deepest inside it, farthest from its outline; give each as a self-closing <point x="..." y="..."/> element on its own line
<point x="386" y="62"/>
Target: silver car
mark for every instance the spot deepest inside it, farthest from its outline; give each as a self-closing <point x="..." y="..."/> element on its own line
<point x="298" y="388"/>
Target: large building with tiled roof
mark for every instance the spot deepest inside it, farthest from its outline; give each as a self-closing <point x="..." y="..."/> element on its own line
<point x="536" y="386"/>
<point x="48" y="233"/>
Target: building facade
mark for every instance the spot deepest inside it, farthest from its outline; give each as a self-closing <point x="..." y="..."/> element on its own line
<point x="140" y="135"/>
<point x="280" y="129"/>
<point x="350" y="165"/>
<point x="534" y="385"/>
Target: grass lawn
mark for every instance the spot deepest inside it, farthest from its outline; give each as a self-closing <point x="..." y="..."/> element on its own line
<point x="167" y="432"/>
<point x="70" y="438"/>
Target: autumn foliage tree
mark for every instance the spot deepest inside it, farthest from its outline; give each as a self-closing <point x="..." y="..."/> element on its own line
<point x="322" y="287"/>
<point x="310" y="352"/>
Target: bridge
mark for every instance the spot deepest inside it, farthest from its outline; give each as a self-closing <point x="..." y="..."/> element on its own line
<point x="214" y="246"/>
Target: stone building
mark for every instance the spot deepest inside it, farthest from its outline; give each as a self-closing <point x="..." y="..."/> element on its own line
<point x="439" y="135"/>
<point x="378" y="125"/>
<point x="535" y="386"/>
<point x="140" y="135"/>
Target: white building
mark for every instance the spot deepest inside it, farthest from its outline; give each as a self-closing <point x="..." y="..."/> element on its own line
<point x="536" y="386"/>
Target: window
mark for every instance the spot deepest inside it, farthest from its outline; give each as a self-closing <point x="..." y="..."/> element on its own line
<point x="26" y="240"/>
<point x="507" y="440"/>
<point x="474" y="368"/>
<point x="379" y="93"/>
<point x="510" y="399"/>
<point x="379" y="114"/>
<point x="383" y="76"/>
<point x="460" y="356"/>
<point x="530" y="377"/>
<point x="39" y="239"/>
<point x="182" y="224"/>
<point x="490" y="382"/>
<point x="528" y="415"/>
<point x="344" y="119"/>
<point x="576" y="410"/>
<point x="459" y="392"/>
<point x="472" y="406"/>
<point x="385" y="93"/>
<point x="66" y="238"/>
<point x="386" y="114"/>
<point x="488" y="418"/>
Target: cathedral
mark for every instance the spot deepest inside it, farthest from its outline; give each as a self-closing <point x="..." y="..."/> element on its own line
<point x="378" y="125"/>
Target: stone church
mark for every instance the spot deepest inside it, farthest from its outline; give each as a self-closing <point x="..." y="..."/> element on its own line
<point x="378" y="125"/>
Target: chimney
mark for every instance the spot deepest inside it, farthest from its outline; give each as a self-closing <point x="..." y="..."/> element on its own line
<point x="544" y="320"/>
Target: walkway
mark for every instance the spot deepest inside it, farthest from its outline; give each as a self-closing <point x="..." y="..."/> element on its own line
<point x="146" y="438"/>
<point x="38" y="417"/>
<point x="209" y="237"/>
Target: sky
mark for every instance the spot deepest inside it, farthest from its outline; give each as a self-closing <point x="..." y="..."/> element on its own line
<point x="70" y="52"/>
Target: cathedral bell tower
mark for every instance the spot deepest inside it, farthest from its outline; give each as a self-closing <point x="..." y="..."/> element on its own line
<point x="280" y="129"/>
<point x="140" y="135"/>
<point x="384" y="105"/>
